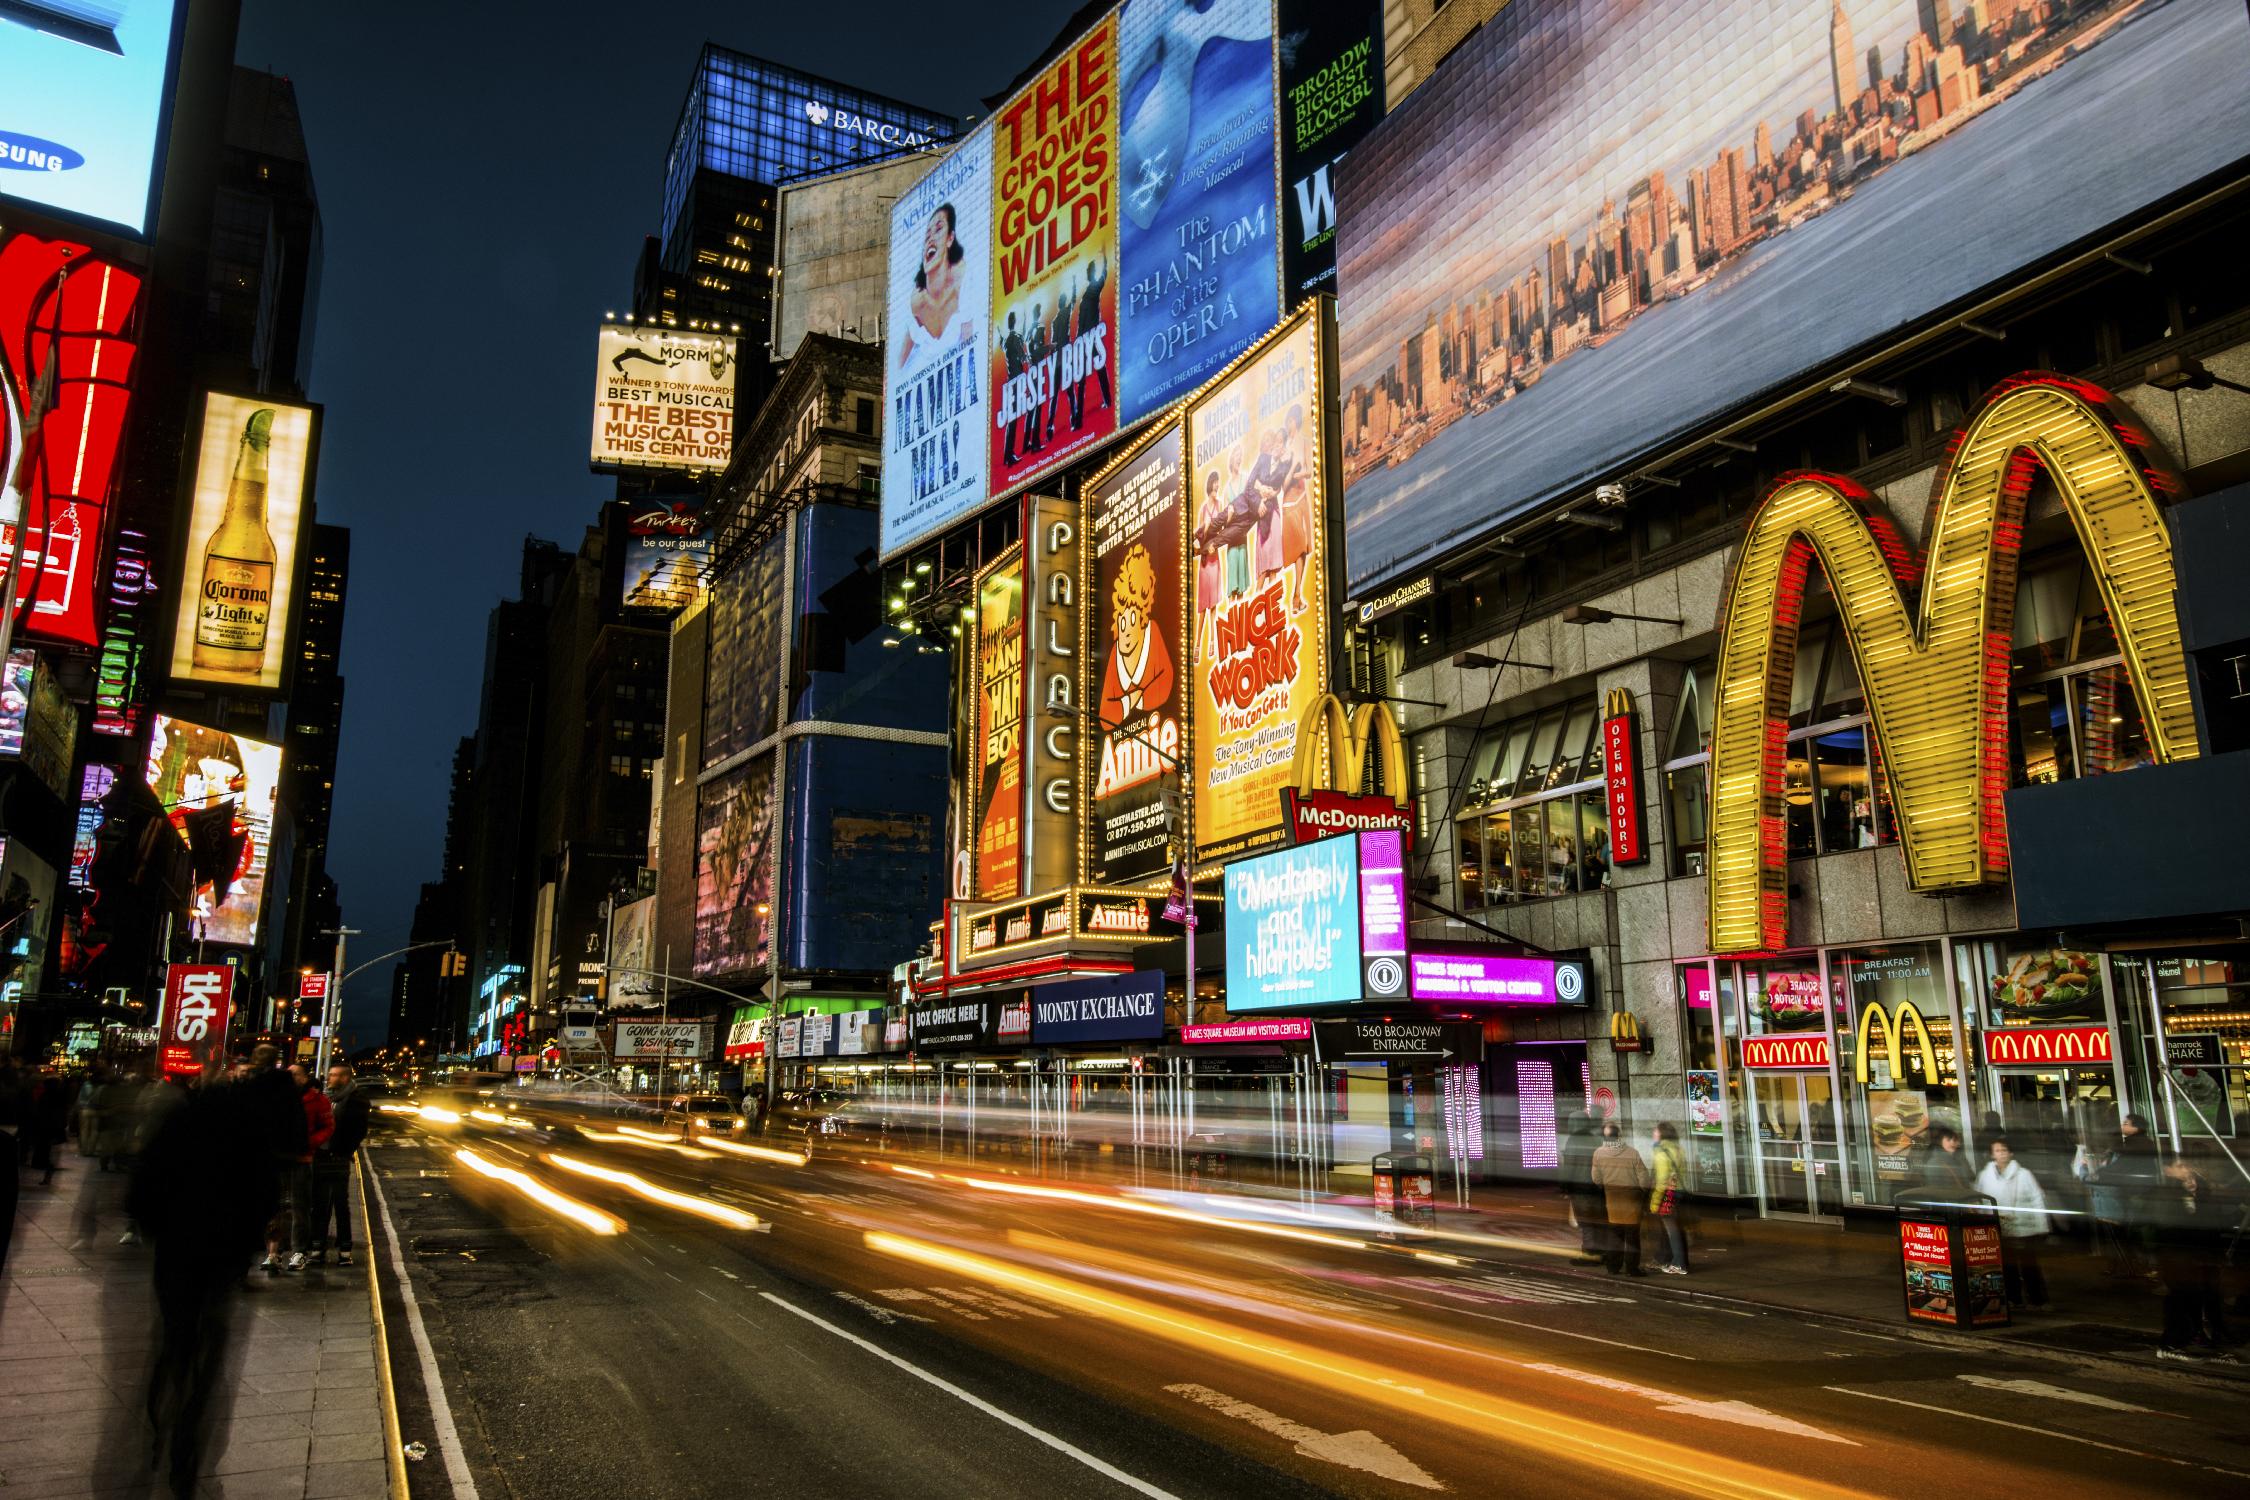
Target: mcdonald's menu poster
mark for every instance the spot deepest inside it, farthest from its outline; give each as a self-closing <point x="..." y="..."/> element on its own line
<point x="1195" y="182"/>
<point x="1000" y="731"/>
<point x="246" y="512"/>
<point x="1261" y="607"/>
<point x="219" y="791"/>
<point x="1576" y="241"/>
<point x="1054" y="263"/>
<point x="1898" y="1122"/>
<point x="1134" y="628"/>
<point x="1987" y="1290"/>
<point x="939" y="301"/>
<point x="663" y="399"/>
<point x="1331" y="96"/>
<point x="734" y="866"/>
<point x="1706" y="1104"/>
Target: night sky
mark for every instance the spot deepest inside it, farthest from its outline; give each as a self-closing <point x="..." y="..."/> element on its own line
<point x="486" y="175"/>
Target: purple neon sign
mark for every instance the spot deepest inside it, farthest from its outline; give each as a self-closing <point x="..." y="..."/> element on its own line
<point x="1382" y="893"/>
<point x="1468" y="977"/>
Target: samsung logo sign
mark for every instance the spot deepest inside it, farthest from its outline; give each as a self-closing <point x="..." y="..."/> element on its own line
<point x="28" y="153"/>
<point x="849" y="123"/>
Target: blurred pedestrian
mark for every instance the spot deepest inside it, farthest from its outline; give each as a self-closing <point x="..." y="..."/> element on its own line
<point x="1668" y="1173"/>
<point x="1624" y="1182"/>
<point x="203" y="1193"/>
<point x="332" y="1165"/>
<point x="2022" y="1205"/>
<point x="274" y="1113"/>
<point x="1946" y="1174"/>
<point x="296" y="1177"/>
<point x="49" y="1123"/>
<point x="1583" y="1198"/>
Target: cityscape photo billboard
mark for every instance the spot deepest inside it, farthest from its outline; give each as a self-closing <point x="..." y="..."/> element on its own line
<point x="1256" y="498"/>
<point x="85" y="88"/>
<point x="1134" y="622"/>
<point x="246" y="513"/>
<point x="1602" y="224"/>
<point x="934" y="435"/>
<point x="219" y="791"/>
<point x="1195" y="181"/>
<point x="663" y="399"/>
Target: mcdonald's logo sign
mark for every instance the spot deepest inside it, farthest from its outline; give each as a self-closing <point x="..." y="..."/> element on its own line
<point x="1903" y="1021"/>
<point x="1937" y="685"/>
<point x="1321" y="802"/>
<point x="2046" y="1046"/>
<point x="1799" y="1053"/>
<point x="1625" y="1033"/>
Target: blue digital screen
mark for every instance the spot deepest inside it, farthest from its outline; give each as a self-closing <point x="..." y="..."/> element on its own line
<point x="83" y="95"/>
<point x="1293" y="928"/>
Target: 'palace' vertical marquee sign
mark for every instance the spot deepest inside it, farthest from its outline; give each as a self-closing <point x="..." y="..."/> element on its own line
<point x="1937" y="689"/>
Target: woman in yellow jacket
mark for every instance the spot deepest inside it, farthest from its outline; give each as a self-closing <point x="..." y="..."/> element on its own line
<point x="1670" y="1171"/>
<point x="1624" y="1180"/>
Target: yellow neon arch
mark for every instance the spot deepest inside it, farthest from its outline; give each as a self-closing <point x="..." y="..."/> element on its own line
<point x="1937" y="689"/>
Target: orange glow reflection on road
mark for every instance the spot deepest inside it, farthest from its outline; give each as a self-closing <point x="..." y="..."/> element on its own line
<point x="647" y="1142"/>
<point x="687" y="1203"/>
<point x="584" y="1215"/>
<point x="1162" y="1211"/>
<point x="438" y="1114"/>
<point x="1593" y="1444"/>
<point x="758" y="1153"/>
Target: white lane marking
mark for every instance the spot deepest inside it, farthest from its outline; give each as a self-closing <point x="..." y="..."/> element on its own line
<point x="1359" y="1449"/>
<point x="881" y="1314"/>
<point x="1037" y="1434"/>
<point x="729" y="1275"/>
<point x="1741" y="1413"/>
<point x="1567" y="1333"/>
<point x="2047" y="1392"/>
<point x="441" y="1410"/>
<point x="2068" y="1437"/>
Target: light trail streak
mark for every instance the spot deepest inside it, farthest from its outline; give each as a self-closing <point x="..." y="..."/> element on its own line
<point x="1542" y="1429"/>
<point x="584" y="1215"/>
<point x="438" y="1114"/>
<point x="687" y="1203"/>
<point x="648" y="1143"/>
<point x="488" y="1117"/>
<point x="758" y="1153"/>
<point x="1162" y="1211"/>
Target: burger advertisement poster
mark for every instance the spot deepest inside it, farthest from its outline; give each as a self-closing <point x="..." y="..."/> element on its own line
<point x="939" y="298"/>
<point x="1134" y="629"/>
<point x="1054" y="262"/>
<point x="1256" y="493"/>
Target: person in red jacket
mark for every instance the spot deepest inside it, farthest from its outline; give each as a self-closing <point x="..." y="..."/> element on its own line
<point x="295" y="1222"/>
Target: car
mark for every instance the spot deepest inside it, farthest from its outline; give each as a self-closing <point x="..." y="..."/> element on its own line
<point x="693" y="1114"/>
<point x="813" y="1113"/>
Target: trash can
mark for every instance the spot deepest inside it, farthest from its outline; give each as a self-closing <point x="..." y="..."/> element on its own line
<point x="1951" y="1266"/>
<point x="1406" y="1188"/>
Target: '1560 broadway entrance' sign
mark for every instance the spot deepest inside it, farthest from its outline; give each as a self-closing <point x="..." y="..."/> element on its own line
<point x="1937" y="687"/>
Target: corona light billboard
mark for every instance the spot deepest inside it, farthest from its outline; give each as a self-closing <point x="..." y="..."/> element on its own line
<point x="1135" y="624"/>
<point x="219" y="791"/>
<point x="238" y="578"/>
<point x="1936" y="678"/>
<point x="1256" y="500"/>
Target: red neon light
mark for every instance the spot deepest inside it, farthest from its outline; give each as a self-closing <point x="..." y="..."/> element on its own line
<point x="1798" y="1052"/>
<point x="1621" y="780"/>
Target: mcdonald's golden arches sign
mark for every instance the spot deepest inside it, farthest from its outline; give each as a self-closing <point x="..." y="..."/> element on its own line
<point x="1937" y="685"/>
<point x="1322" y="800"/>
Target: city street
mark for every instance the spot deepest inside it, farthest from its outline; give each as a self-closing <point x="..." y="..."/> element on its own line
<point x="884" y="1331"/>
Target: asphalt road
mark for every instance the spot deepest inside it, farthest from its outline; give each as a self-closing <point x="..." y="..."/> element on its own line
<point x="913" y="1327"/>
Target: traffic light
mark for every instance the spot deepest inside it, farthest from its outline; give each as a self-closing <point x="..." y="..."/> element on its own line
<point x="453" y="965"/>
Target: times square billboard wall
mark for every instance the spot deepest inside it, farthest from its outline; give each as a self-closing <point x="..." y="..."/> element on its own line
<point x="1128" y="225"/>
<point x="663" y="399"/>
<point x="1586" y="236"/>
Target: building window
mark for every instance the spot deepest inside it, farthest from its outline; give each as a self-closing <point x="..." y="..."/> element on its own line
<point x="1536" y="823"/>
<point x="863" y="417"/>
<point x="621" y="765"/>
<point x="2072" y="707"/>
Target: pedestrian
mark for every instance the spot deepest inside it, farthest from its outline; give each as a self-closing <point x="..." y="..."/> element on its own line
<point x="274" y="1113"/>
<point x="296" y="1191"/>
<point x="1624" y="1181"/>
<point x="332" y="1165"/>
<point x="1582" y="1198"/>
<point x="1668" y="1171"/>
<point x="2022" y="1205"/>
<point x="203" y="1194"/>
<point x="1946" y="1175"/>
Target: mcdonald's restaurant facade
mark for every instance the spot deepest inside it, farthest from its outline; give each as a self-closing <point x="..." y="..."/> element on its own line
<point x="1891" y="759"/>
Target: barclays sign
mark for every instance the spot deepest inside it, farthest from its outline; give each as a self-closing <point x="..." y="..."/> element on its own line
<point x="851" y="122"/>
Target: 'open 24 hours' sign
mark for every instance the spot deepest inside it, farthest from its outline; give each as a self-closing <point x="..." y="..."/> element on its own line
<point x="1621" y="778"/>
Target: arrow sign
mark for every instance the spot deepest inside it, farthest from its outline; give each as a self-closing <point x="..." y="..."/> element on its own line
<point x="1360" y="1450"/>
<point x="1376" y="1038"/>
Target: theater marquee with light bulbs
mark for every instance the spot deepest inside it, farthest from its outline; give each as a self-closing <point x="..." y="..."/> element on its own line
<point x="1935" y="670"/>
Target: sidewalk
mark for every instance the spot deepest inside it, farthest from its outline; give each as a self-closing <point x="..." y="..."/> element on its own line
<point x="1849" y="1273"/>
<point x="296" y="1415"/>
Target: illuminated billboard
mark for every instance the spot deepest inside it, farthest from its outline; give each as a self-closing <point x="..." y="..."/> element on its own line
<point x="218" y="790"/>
<point x="1256" y="498"/>
<point x="663" y="399"/>
<point x="734" y="866"/>
<point x="999" y="767"/>
<point x="1331" y="96"/>
<point x="742" y="667"/>
<point x="65" y="310"/>
<point x="1601" y="225"/>
<point x="1195" y="193"/>
<point x="1135" y="622"/>
<point x="1318" y="924"/>
<point x="1053" y="348"/>
<point x="85" y="87"/>
<point x="934" y="432"/>
<point x="246" y="514"/>
<point x="667" y="554"/>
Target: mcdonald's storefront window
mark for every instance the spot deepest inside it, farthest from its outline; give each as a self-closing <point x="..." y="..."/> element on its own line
<point x="1891" y="998"/>
<point x="1536" y="823"/>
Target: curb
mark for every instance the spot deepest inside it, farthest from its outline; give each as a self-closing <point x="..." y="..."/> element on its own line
<point x="394" y="1451"/>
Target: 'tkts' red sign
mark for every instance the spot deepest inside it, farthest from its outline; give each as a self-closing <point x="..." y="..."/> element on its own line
<point x="197" y="1003"/>
<point x="1621" y="779"/>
